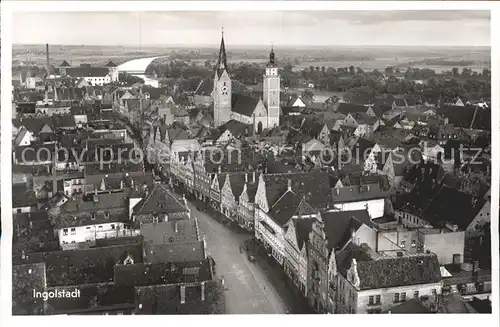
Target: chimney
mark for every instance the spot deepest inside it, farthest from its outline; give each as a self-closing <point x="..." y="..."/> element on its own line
<point x="96" y="197"/>
<point x="337" y="191"/>
<point x="183" y="294"/>
<point x="121" y="185"/>
<point x="184" y="200"/>
<point x="55" y="93"/>
<point x="132" y="182"/>
<point x="289" y="184"/>
<point x="103" y="185"/>
<point x="246" y="178"/>
<point x="368" y="187"/>
<point x="203" y="291"/>
<point x="23" y="254"/>
<point x="253" y="177"/>
<point x="176" y="226"/>
<point x="476" y="266"/>
<point x="48" y="58"/>
<point x="220" y="169"/>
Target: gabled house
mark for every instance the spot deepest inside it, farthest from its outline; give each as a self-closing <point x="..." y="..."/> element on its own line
<point x="365" y="284"/>
<point x="83" y="220"/>
<point x="295" y="262"/>
<point x="370" y="197"/>
<point x="230" y="194"/>
<point x="331" y="232"/>
<point x="246" y="202"/>
<point x="364" y="124"/>
<point x="277" y="199"/>
<point x="159" y="205"/>
<point x="218" y="180"/>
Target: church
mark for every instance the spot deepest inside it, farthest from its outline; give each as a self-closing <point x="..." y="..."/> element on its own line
<point x="263" y="113"/>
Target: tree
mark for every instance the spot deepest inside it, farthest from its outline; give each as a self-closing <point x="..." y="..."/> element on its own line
<point x="323" y="69"/>
<point x="454" y="71"/>
<point x="129" y="79"/>
<point x="307" y="95"/>
<point x="207" y="64"/>
<point x="466" y="71"/>
<point x="311" y="68"/>
<point x="359" y="71"/>
<point x="352" y="70"/>
<point x="389" y="70"/>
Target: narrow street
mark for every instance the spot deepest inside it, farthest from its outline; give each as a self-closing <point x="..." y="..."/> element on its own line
<point x="258" y="287"/>
<point x="248" y="289"/>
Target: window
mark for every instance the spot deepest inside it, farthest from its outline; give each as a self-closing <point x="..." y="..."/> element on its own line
<point x="415" y="295"/>
<point x="403" y="243"/>
<point x="370" y="300"/>
<point x="19" y="210"/>
<point x="396" y="297"/>
<point x="112" y="226"/>
<point x="73" y="231"/>
<point x="88" y="227"/>
<point x="65" y="231"/>
<point x="100" y="227"/>
<point x="377" y="299"/>
<point x="403" y="296"/>
<point x="413" y="243"/>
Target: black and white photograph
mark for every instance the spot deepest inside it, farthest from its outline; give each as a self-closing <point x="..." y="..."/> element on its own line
<point x="209" y="162"/>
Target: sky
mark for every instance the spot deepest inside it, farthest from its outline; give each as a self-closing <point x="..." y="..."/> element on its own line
<point x="294" y="28"/>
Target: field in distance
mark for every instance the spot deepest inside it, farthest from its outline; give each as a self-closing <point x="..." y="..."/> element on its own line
<point x="365" y="57"/>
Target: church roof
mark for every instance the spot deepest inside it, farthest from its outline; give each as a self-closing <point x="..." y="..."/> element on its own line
<point x="65" y="64"/>
<point x="243" y="104"/>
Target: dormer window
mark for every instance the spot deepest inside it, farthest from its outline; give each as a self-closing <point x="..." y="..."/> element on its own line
<point x="106" y="215"/>
<point x="128" y="260"/>
<point x="92" y="216"/>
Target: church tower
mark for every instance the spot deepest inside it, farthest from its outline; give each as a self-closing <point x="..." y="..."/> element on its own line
<point x="272" y="91"/>
<point x="222" y="88"/>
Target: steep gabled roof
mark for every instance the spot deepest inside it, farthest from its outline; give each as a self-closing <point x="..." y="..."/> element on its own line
<point x="314" y="186"/>
<point x="244" y="104"/>
<point x="87" y="71"/>
<point x="339" y="226"/>
<point x="284" y="208"/>
<point x="111" y="64"/>
<point x="349" y="108"/>
<point x="387" y="272"/>
<point x="303" y="227"/>
<point x="160" y="200"/>
<point x="175" y="252"/>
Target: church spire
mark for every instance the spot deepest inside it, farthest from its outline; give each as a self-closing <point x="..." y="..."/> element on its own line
<point x="271" y="57"/>
<point x="222" y="61"/>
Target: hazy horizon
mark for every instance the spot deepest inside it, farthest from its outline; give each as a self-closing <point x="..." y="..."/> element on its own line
<point x="438" y="28"/>
<point x="244" y="46"/>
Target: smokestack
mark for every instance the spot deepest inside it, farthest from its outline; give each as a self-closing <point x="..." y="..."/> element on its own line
<point x="48" y="60"/>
